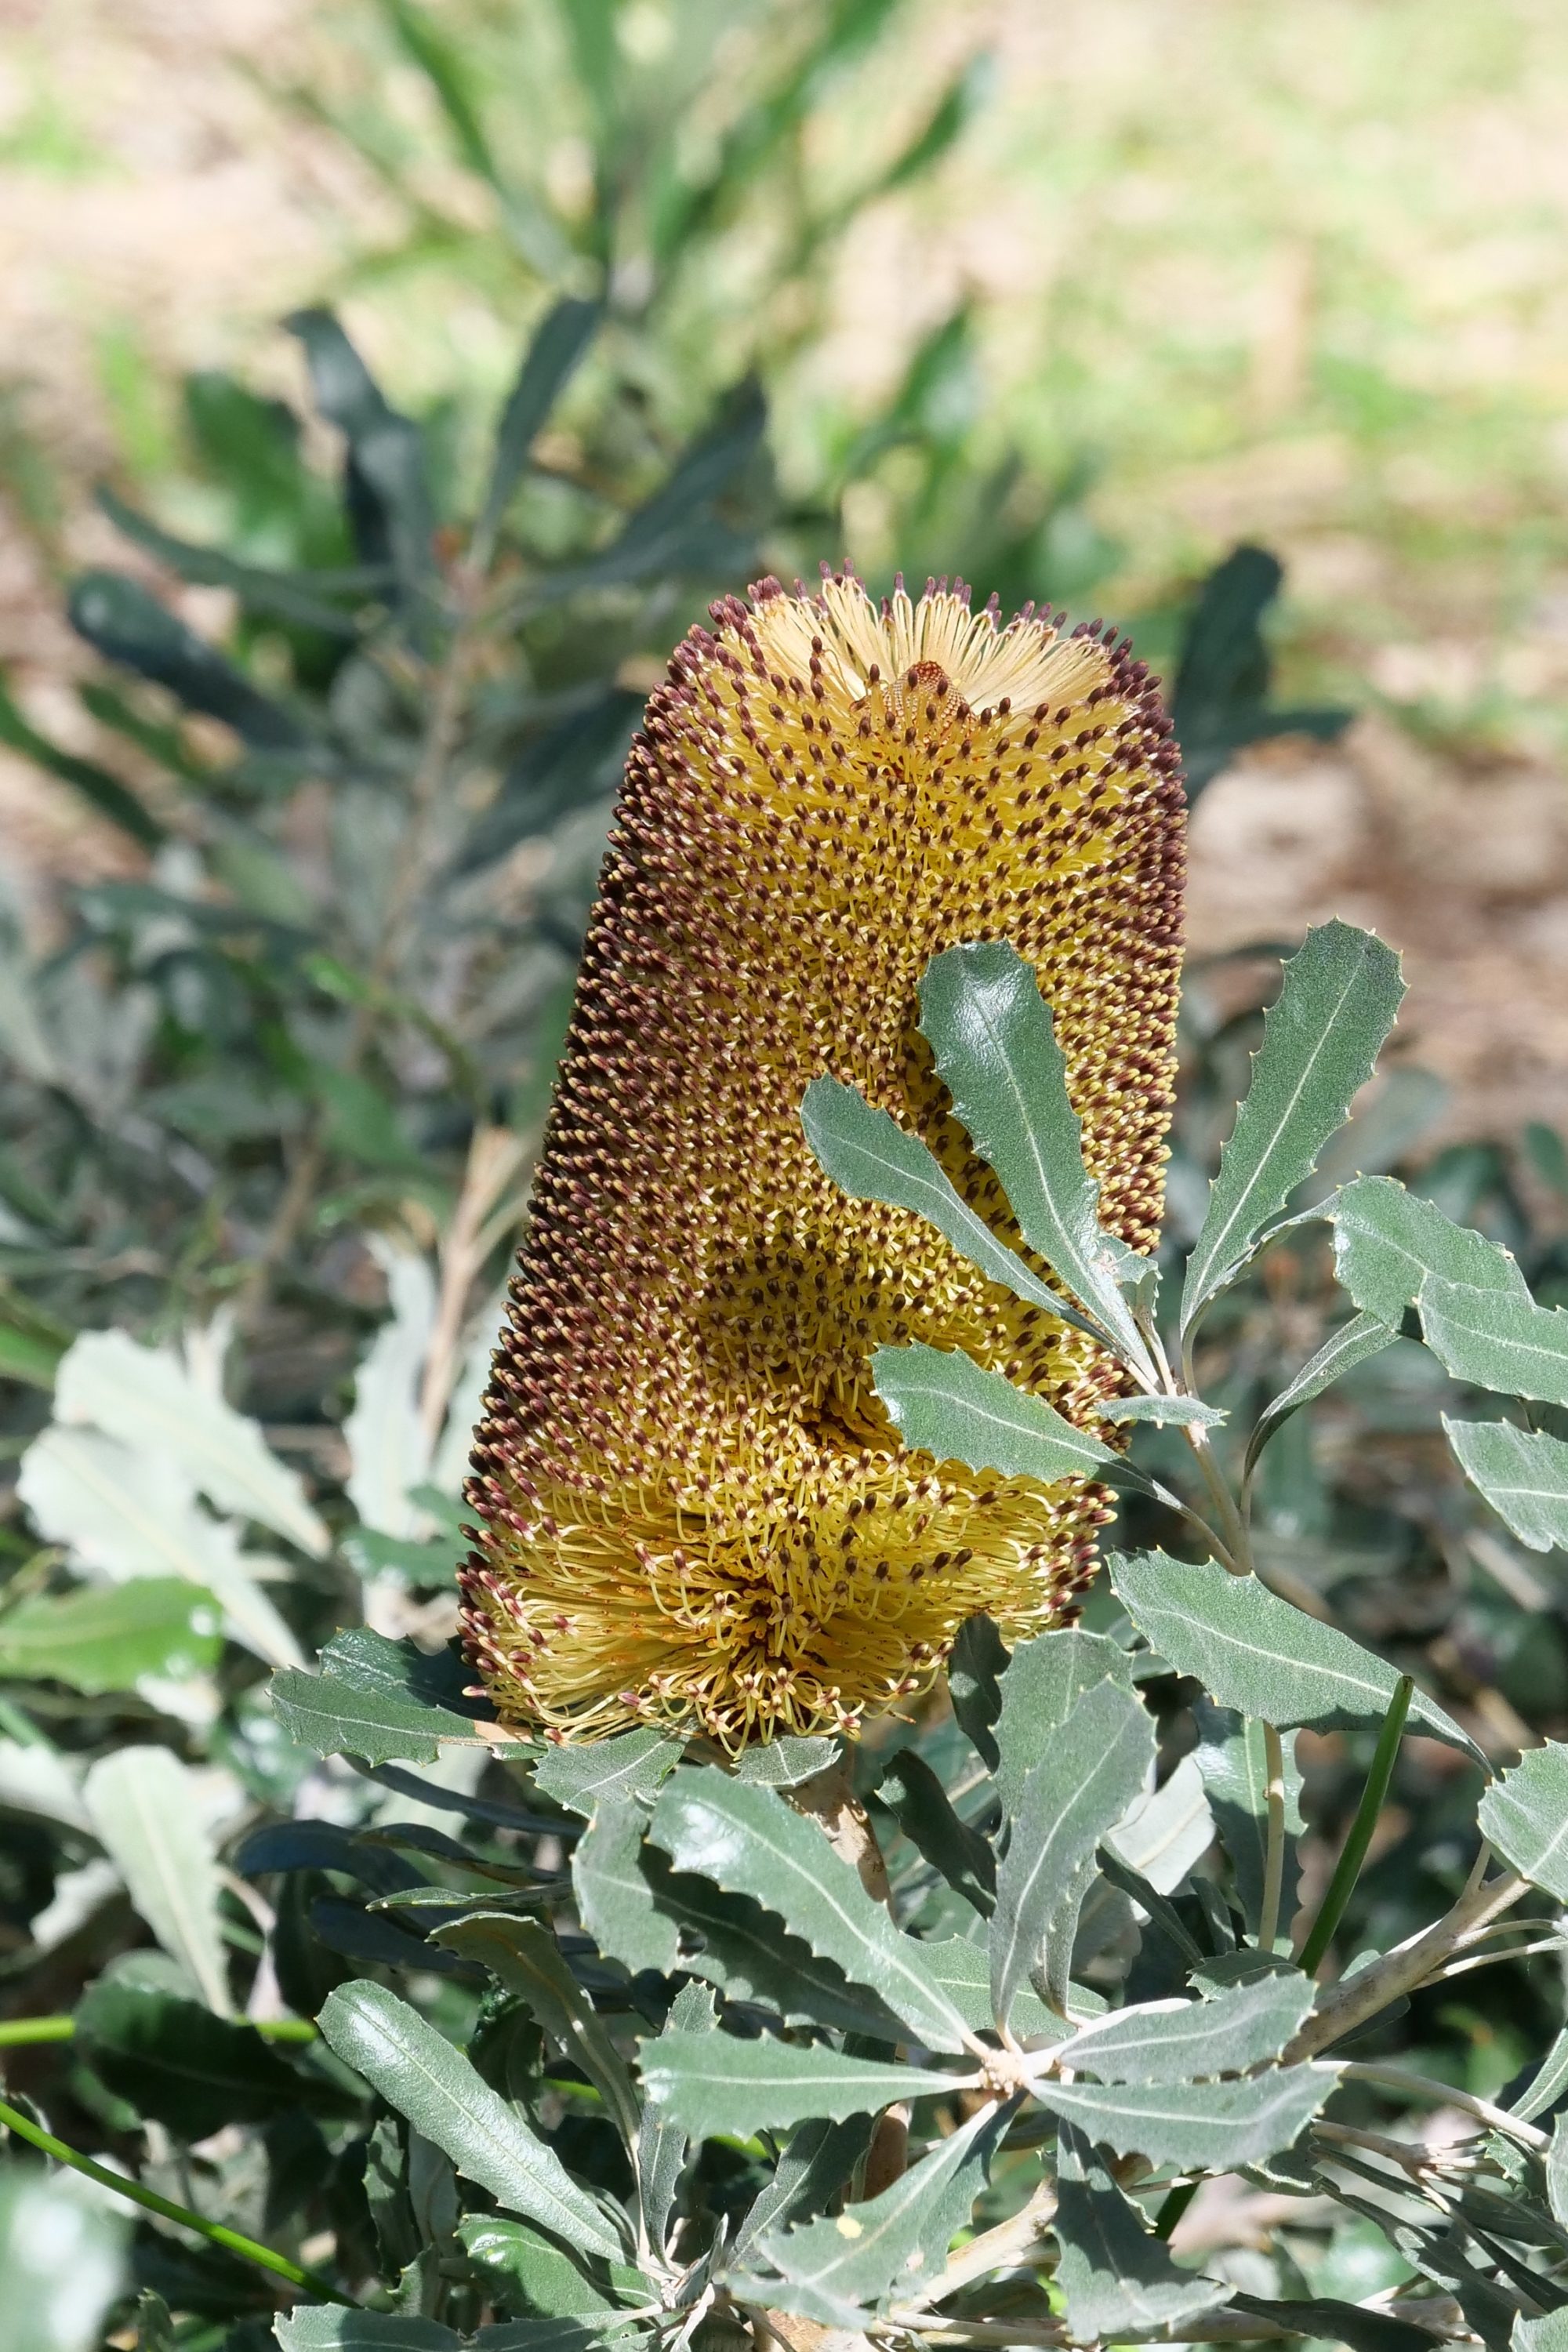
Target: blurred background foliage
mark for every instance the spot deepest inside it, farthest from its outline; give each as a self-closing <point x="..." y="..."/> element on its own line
<point x="596" y="311"/>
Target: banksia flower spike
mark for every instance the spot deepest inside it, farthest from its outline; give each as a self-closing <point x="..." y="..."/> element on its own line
<point x="694" y="1510"/>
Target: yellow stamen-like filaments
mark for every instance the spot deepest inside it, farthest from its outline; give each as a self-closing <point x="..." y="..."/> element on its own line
<point x="694" y="1510"/>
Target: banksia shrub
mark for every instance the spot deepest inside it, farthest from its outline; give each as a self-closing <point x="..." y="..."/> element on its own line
<point x="694" y="1510"/>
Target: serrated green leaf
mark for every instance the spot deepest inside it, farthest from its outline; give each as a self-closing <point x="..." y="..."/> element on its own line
<point x="1388" y="1241"/>
<point x="1496" y="1341"/>
<point x="813" y="2166"/>
<point x="1115" y="2275"/>
<point x="709" y="2083"/>
<point x="741" y="1948"/>
<point x="525" y="1958"/>
<point x="417" y="2070"/>
<point x="1095" y="1769"/>
<point x="662" y="2147"/>
<point x="1525" y="1816"/>
<point x="615" y="1901"/>
<point x="868" y="1155"/>
<point x="1189" y="2041"/>
<point x="1522" y="1472"/>
<point x="786" y="1763"/>
<point x="1166" y="1412"/>
<point x="324" y="2328"/>
<point x="373" y="1698"/>
<point x="1045" y="1680"/>
<point x="923" y="1810"/>
<point x="1232" y="1758"/>
<point x="944" y="1403"/>
<point x="997" y="1051"/>
<point x="635" y="1765"/>
<point x="1352" y="1343"/>
<point x="963" y="1971"/>
<point x="837" y="2270"/>
<point x="1214" y="2126"/>
<point x="1548" y="2083"/>
<point x="106" y="1637"/>
<point x="145" y="1808"/>
<point x="1254" y="1652"/>
<point x="1547" y="2333"/>
<point x="751" y="1842"/>
<point x="1336" y="1005"/>
<point x="1556" y="2168"/>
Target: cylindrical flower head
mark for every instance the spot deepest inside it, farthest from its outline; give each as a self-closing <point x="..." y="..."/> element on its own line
<point x="695" y="1511"/>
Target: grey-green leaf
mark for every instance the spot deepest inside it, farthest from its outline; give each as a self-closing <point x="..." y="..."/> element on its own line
<point x="1117" y="2278"/>
<point x="1387" y="1241"/>
<point x="924" y="1811"/>
<point x="974" y="1669"/>
<point x="1557" y="2169"/>
<point x="146" y="1807"/>
<point x="1254" y="1652"/>
<point x="814" y="2164"/>
<point x="836" y="2270"/>
<point x="944" y="1403"/>
<point x="1232" y="1758"/>
<point x="1496" y="1341"/>
<point x="1189" y="2041"/>
<point x="1216" y="2126"/>
<point x="1094" y="1769"/>
<point x="417" y="2070"/>
<point x="1045" y="1680"/>
<point x="323" y="2327"/>
<point x="709" y="2083"/>
<point x="1525" y="1815"/>
<point x="635" y="1765"/>
<point x="751" y="1842"/>
<point x="615" y="1901"/>
<point x="661" y="2147"/>
<point x="1338" y="1000"/>
<point x="1351" y="1344"/>
<point x="372" y="1699"/>
<point x="525" y="1958"/>
<point x="872" y="1158"/>
<point x="1166" y="1412"/>
<point x="786" y="1763"/>
<point x="996" y="1051"/>
<point x="1522" y="1472"/>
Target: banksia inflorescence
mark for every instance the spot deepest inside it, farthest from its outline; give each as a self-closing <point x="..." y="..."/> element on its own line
<point x="694" y="1509"/>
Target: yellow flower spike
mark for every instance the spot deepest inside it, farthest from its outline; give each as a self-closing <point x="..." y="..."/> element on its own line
<point x="694" y="1511"/>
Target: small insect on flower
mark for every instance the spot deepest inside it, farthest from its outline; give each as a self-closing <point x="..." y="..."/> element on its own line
<point x="694" y="1509"/>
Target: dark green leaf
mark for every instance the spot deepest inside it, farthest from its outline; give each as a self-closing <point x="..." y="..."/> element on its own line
<point x="107" y="1636"/>
<point x="1254" y="1652"/>
<point x="1095" y="1769"/>
<point x="1337" y="1002"/>
<point x="558" y="345"/>
<point x="123" y="621"/>
<point x="283" y="596"/>
<point x="1116" y="2277"/>
<point x="521" y="2267"/>
<point x="174" y="2061"/>
<point x="373" y="1700"/>
<point x="813" y="2166"/>
<point x="524" y="1958"/>
<point x="709" y="1823"/>
<point x="920" y="1805"/>
<point x="1220" y="700"/>
<point x="387" y="483"/>
<point x="99" y="789"/>
<point x="417" y="2070"/>
<point x="1525" y="1816"/>
<point x="944" y="1403"/>
<point x="995" y="1049"/>
<point x="710" y="2082"/>
<point x="975" y="1666"/>
<point x="1334" y="2322"/>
